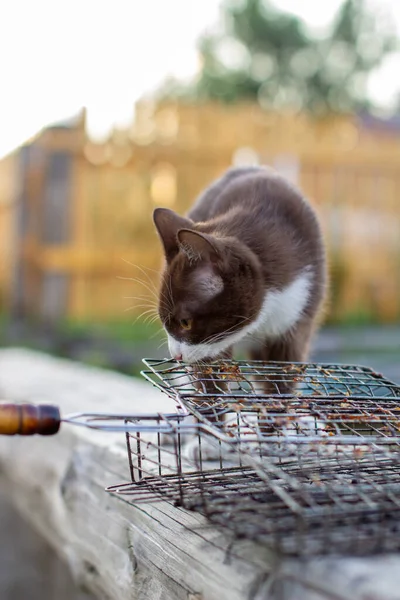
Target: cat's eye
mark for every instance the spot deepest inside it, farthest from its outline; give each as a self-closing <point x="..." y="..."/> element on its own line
<point x="186" y="324"/>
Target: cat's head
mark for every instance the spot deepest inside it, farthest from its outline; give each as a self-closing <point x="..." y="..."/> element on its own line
<point x="211" y="290"/>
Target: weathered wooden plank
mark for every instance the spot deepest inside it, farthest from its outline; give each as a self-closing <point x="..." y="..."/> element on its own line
<point x="29" y="567"/>
<point x="151" y="551"/>
<point x="117" y="550"/>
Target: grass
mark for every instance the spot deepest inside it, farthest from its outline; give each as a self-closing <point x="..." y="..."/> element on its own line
<point x="353" y="319"/>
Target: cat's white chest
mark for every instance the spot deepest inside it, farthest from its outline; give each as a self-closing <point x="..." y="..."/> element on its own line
<point x="281" y="309"/>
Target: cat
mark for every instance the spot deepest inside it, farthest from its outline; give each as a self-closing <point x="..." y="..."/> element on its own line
<point x="247" y="262"/>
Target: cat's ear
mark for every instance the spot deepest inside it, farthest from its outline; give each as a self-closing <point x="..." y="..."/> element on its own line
<point x="168" y="223"/>
<point x="197" y="246"/>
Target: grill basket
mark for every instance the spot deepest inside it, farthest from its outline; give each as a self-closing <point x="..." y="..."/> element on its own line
<point x="313" y="470"/>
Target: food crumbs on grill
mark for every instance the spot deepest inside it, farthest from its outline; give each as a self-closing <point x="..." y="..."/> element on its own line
<point x="207" y="371"/>
<point x="312" y="473"/>
<point x="315" y="479"/>
<point x="325" y="372"/>
<point x="298" y="368"/>
<point x="231" y="372"/>
<point x="358" y="452"/>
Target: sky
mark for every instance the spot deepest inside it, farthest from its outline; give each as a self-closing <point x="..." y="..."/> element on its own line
<point x="57" y="56"/>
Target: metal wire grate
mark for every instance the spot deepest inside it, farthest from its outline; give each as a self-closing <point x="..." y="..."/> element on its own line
<point x="341" y="503"/>
<point x="308" y="471"/>
<point x="340" y="515"/>
<point x="203" y="383"/>
<point x="165" y="448"/>
<point x="331" y="405"/>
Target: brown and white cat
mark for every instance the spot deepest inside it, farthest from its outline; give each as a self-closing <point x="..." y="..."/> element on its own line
<point x="246" y="263"/>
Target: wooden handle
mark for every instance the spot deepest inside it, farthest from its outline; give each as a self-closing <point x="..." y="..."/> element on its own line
<point x="28" y="419"/>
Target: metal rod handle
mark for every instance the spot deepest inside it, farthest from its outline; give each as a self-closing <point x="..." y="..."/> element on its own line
<point x="28" y="419"/>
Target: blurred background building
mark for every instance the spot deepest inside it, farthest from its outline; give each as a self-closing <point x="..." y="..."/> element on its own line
<point x="310" y="90"/>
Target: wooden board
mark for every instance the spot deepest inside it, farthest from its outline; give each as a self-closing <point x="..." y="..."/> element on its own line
<point x="150" y="551"/>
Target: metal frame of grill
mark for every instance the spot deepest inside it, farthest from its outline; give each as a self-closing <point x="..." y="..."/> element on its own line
<point x="331" y="405"/>
<point x="315" y="470"/>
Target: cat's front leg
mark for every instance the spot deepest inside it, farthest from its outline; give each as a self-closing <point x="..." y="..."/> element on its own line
<point x="210" y="388"/>
<point x="208" y="381"/>
<point x="291" y="348"/>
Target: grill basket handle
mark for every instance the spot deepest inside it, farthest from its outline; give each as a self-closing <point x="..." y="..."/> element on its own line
<point x="28" y="419"/>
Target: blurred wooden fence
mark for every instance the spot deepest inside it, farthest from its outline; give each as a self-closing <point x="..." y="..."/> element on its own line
<point x="8" y="183"/>
<point x="84" y="224"/>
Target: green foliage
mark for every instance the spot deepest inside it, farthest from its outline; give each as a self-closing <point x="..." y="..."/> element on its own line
<point x="360" y="318"/>
<point x="118" y="345"/>
<point x="136" y="330"/>
<point x="269" y="55"/>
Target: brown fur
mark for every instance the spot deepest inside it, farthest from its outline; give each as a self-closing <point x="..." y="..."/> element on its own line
<point x="250" y="231"/>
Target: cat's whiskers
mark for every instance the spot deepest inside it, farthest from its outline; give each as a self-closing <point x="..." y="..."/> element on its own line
<point x="166" y="297"/>
<point x="153" y="308"/>
<point x="149" y="284"/>
<point x="169" y="299"/>
<point x="143" y="297"/>
<point x="163" y="343"/>
<point x="151" y="319"/>
<point x="212" y="339"/>
<point x="144" y="305"/>
<point x="220" y="336"/>
<point x="148" y="303"/>
<point x="142" y="269"/>
<point x="215" y="337"/>
<point x="148" y="310"/>
<point x="157" y="333"/>
<point x="243" y="318"/>
<point x="153" y="292"/>
<point x="157" y="292"/>
<point x="145" y="319"/>
<point x="135" y="307"/>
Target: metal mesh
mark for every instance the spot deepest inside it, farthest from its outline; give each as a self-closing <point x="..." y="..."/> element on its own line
<point x="336" y="504"/>
<point x="161" y="460"/>
<point x="243" y="377"/>
<point x="336" y="515"/>
<point x="310" y="471"/>
<point x="331" y="405"/>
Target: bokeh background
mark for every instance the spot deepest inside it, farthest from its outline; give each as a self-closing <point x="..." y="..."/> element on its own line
<point x="108" y="110"/>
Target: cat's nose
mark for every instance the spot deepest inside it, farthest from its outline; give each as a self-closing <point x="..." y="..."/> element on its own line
<point x="178" y="357"/>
